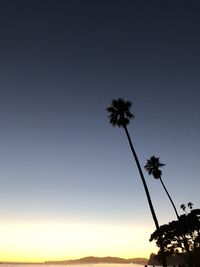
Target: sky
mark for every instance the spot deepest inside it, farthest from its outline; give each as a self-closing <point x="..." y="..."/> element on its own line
<point x="68" y="184"/>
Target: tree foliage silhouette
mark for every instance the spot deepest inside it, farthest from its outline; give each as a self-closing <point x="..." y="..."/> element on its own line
<point x="172" y="236"/>
<point x="120" y="115"/>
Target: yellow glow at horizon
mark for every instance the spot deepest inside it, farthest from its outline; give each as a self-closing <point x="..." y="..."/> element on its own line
<point x="59" y="241"/>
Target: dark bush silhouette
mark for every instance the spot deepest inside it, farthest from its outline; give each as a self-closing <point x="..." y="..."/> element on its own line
<point x="172" y="236"/>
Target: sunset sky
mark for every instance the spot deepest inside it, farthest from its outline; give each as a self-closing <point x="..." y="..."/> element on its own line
<point x="68" y="185"/>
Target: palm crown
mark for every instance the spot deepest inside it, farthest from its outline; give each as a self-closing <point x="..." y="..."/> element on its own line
<point x="153" y="165"/>
<point x="119" y="112"/>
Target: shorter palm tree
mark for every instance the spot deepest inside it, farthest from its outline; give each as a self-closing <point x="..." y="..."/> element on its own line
<point x="153" y="168"/>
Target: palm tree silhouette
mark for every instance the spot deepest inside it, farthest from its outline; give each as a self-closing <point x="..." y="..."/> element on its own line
<point x="152" y="167"/>
<point x="120" y="115"/>
<point x="190" y="205"/>
<point x="183" y="207"/>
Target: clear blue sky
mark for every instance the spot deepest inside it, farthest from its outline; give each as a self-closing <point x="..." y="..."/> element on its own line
<point x="62" y="62"/>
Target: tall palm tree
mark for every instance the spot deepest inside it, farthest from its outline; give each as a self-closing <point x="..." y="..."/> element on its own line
<point x="120" y="115"/>
<point x="153" y="168"/>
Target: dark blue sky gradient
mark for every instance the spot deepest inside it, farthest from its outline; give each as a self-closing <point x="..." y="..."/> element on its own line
<point x="61" y="64"/>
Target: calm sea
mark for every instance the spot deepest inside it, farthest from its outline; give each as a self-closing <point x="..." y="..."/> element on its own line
<point x="75" y="265"/>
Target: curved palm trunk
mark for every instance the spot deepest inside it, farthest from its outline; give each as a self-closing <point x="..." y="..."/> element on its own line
<point x="169" y="198"/>
<point x="143" y="180"/>
<point x="146" y="191"/>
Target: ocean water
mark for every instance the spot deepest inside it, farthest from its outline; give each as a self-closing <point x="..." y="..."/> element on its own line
<point x="76" y="265"/>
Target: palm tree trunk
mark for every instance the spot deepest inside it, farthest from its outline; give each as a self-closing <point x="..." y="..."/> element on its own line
<point x="146" y="191"/>
<point x="185" y="242"/>
<point x="170" y="198"/>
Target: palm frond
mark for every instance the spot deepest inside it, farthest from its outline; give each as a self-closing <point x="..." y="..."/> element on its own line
<point x="153" y="165"/>
<point x="119" y="112"/>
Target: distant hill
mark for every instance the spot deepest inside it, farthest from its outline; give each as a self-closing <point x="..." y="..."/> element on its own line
<point x="92" y="259"/>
